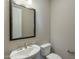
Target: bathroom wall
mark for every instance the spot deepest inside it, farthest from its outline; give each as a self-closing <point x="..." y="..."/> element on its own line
<point x="42" y="25"/>
<point x="63" y="27"/>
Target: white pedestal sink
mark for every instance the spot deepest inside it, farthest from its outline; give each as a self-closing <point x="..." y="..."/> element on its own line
<point x="25" y="53"/>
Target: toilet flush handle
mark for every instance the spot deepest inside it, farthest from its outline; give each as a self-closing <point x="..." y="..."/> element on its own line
<point x="71" y="52"/>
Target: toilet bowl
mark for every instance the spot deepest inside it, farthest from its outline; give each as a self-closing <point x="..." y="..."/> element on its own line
<point x="46" y="51"/>
<point x="53" y="56"/>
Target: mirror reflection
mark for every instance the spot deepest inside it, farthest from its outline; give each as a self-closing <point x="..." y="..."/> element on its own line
<point x="22" y="21"/>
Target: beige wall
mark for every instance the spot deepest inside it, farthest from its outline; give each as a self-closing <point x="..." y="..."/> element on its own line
<point x="42" y="23"/>
<point x="63" y="27"/>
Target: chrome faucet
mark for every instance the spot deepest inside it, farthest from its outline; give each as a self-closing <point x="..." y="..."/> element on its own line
<point x="25" y="45"/>
<point x="28" y="44"/>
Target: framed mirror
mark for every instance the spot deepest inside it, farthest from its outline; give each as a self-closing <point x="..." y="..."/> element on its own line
<point x="22" y="22"/>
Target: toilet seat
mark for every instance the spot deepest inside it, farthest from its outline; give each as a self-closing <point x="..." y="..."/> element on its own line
<point x="53" y="56"/>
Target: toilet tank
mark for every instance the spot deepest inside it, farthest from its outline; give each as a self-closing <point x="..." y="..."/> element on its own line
<point x="45" y="49"/>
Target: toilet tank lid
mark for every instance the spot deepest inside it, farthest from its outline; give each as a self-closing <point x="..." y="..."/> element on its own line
<point x="45" y="45"/>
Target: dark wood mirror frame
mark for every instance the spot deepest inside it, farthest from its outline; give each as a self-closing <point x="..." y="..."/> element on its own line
<point x="10" y="19"/>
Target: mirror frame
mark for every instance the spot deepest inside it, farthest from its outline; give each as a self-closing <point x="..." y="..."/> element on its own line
<point x="10" y="23"/>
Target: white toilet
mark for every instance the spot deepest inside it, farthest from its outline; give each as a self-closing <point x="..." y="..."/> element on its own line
<point x="45" y="51"/>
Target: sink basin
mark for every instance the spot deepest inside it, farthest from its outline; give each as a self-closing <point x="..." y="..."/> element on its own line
<point x="25" y="53"/>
